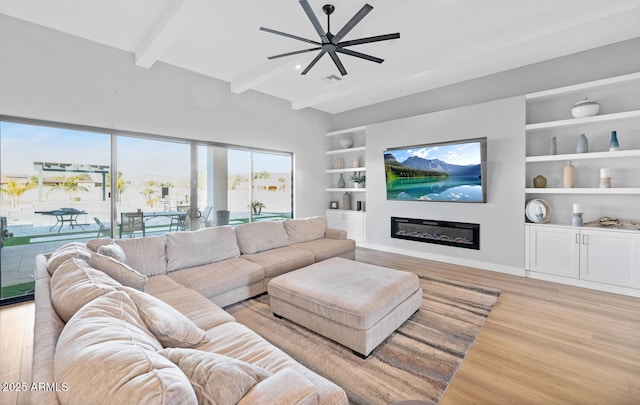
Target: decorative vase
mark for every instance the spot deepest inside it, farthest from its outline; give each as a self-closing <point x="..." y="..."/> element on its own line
<point x="576" y="219"/>
<point x="614" y="145"/>
<point x="539" y="181"/>
<point x="585" y="108"/>
<point x="346" y="201"/>
<point x="552" y="147"/>
<point x="569" y="177"/>
<point x="338" y="163"/>
<point x="346" y="143"/>
<point x="356" y="161"/>
<point x="583" y="144"/>
<point x="341" y="183"/>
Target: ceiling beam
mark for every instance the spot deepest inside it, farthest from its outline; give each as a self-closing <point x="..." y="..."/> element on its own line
<point x="176" y="19"/>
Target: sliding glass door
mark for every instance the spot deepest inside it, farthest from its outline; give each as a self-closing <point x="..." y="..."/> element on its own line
<point x="53" y="182"/>
<point x="153" y="193"/>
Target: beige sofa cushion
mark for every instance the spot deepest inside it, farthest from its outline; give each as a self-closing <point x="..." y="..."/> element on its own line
<point x="305" y="229"/>
<point x="216" y="379"/>
<point x="68" y="251"/>
<point x="119" y="271"/>
<point x="146" y="255"/>
<point x="74" y="284"/>
<point x="257" y="237"/>
<point x="287" y="386"/>
<point x="108" y="334"/>
<point x="193" y="248"/>
<point x="170" y="327"/>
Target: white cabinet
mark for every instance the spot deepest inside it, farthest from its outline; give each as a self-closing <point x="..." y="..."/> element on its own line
<point x="352" y="222"/>
<point x="596" y="255"/>
<point x="553" y="250"/>
<point x="610" y="257"/>
<point x="549" y="116"/>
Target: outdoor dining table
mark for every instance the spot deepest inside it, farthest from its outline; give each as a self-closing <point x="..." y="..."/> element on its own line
<point x="69" y="215"/>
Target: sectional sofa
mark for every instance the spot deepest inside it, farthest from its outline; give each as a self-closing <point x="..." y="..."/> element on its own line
<point x="142" y="320"/>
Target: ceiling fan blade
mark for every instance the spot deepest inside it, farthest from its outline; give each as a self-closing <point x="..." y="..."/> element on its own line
<point x="284" y="34"/>
<point x="352" y="23"/>
<point x="359" y="55"/>
<point x="338" y="63"/>
<point x="313" y="62"/>
<point x="293" y="53"/>
<point x="367" y="40"/>
<point x="314" y="20"/>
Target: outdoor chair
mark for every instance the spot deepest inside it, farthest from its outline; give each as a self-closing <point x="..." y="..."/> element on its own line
<point x="180" y="221"/>
<point x="103" y="229"/>
<point x="204" y="217"/>
<point x="130" y="223"/>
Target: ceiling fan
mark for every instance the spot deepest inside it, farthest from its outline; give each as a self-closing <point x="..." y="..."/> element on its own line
<point x="330" y="43"/>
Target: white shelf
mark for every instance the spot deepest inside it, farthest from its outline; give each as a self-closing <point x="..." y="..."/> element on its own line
<point x="580" y="88"/>
<point x="340" y="151"/>
<point x="580" y="121"/>
<point x="583" y="156"/>
<point x="618" y="191"/>
<point x="347" y="131"/>
<point x="347" y="170"/>
<point x="355" y="190"/>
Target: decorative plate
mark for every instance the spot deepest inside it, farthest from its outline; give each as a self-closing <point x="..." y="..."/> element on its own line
<point x="538" y="211"/>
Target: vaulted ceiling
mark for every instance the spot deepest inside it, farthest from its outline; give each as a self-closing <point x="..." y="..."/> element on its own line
<point x="442" y="41"/>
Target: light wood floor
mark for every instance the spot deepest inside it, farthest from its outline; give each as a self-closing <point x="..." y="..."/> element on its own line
<point x="543" y="343"/>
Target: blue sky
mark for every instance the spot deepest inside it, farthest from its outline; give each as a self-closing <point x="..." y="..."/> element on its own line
<point x="21" y="145"/>
<point x="459" y="154"/>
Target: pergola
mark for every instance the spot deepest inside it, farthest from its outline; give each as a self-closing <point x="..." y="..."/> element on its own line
<point x="71" y="168"/>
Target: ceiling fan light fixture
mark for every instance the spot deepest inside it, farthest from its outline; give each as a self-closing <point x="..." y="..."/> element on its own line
<point x="332" y="44"/>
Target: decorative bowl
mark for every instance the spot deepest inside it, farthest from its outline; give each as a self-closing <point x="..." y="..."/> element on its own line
<point x="585" y="108"/>
<point x="346" y="143"/>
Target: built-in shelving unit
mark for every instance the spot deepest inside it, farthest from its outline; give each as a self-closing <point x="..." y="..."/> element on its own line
<point x="349" y="218"/>
<point x="358" y="137"/>
<point x="584" y="256"/>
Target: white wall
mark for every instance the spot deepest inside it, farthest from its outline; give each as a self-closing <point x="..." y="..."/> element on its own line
<point x="53" y="76"/>
<point x="501" y="218"/>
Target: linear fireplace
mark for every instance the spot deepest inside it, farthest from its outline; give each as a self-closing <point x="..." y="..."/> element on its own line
<point x="459" y="234"/>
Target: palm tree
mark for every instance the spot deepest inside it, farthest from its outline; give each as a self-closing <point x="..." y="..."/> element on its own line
<point x="70" y="184"/>
<point x="121" y="184"/>
<point x="15" y="190"/>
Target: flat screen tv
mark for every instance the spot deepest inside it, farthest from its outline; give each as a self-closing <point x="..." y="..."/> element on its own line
<point x="452" y="171"/>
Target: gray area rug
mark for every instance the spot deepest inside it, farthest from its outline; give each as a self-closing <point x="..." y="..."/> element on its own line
<point x="418" y="361"/>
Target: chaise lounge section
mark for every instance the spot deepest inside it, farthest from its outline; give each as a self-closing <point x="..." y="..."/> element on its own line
<point x="169" y="325"/>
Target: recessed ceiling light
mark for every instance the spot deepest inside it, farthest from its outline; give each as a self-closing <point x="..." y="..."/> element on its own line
<point x="297" y="67"/>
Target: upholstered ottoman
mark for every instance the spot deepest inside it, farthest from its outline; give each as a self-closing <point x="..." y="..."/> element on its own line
<point x="355" y="304"/>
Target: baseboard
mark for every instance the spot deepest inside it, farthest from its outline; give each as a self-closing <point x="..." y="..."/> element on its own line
<point x="631" y="292"/>
<point x="499" y="268"/>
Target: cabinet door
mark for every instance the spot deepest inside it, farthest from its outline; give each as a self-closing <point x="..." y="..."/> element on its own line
<point x="355" y="225"/>
<point x="554" y="250"/>
<point x="335" y="220"/>
<point x="610" y="257"/>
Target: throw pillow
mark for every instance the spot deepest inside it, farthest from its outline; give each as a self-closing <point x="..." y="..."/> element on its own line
<point x="113" y="250"/>
<point x="68" y="251"/>
<point x="118" y="271"/>
<point x="216" y="379"/>
<point x="105" y="354"/>
<point x="169" y="326"/>
<point x="74" y="284"/>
